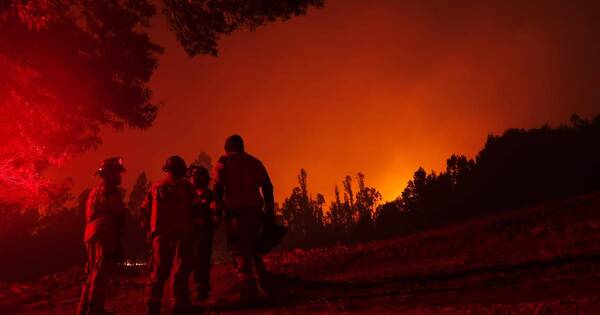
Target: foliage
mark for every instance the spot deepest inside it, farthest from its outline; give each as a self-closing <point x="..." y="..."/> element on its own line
<point x="135" y="238"/>
<point x="200" y="24"/>
<point x="515" y="169"/>
<point x="70" y="67"/>
<point x="350" y="220"/>
<point x="32" y="244"/>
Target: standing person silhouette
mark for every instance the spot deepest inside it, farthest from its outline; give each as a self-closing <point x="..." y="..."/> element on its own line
<point x="169" y="202"/>
<point x="105" y="215"/>
<point x="243" y="189"/>
<point x="205" y="219"/>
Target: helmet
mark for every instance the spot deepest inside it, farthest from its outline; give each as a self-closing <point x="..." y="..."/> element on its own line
<point x="111" y="165"/>
<point x="175" y="165"/>
<point x="198" y="170"/>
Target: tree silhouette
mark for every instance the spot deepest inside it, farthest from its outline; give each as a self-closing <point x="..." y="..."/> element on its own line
<point x="515" y="169"/>
<point x="335" y="216"/>
<point x="70" y="67"/>
<point x="303" y="215"/>
<point x="348" y="206"/>
<point x="67" y="68"/>
<point x="135" y="240"/>
<point x="367" y="200"/>
<point x="137" y="195"/>
<point x="29" y="242"/>
<point x="200" y="24"/>
<point x="390" y="219"/>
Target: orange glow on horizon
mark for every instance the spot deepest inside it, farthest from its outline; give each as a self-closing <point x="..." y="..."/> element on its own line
<point x="377" y="88"/>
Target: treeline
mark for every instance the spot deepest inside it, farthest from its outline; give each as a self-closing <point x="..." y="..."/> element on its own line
<point x="515" y="169"/>
<point x="36" y="241"/>
<point x="350" y="217"/>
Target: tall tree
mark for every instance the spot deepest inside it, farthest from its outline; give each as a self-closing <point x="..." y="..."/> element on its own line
<point x="335" y="216"/>
<point x="349" y="210"/>
<point x="412" y="194"/>
<point x="367" y="200"/>
<point x="319" y="213"/>
<point x="303" y="214"/>
<point x="199" y="24"/>
<point x="70" y="67"/>
<point x="135" y="237"/>
<point x="137" y="195"/>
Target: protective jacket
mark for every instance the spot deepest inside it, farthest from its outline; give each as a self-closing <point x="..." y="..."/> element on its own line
<point x="201" y="210"/>
<point x="169" y="203"/>
<point x="105" y="218"/>
<point x="239" y="180"/>
<point x="105" y="214"/>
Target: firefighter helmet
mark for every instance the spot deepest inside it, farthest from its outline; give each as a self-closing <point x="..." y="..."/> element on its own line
<point x="175" y="165"/>
<point x="198" y="170"/>
<point x="111" y="165"/>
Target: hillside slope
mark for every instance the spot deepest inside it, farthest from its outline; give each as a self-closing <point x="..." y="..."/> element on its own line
<point x="542" y="260"/>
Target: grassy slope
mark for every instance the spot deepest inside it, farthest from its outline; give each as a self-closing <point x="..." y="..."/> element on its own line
<point x="544" y="259"/>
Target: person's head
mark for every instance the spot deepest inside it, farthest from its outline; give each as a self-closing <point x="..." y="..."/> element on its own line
<point x="175" y="165"/>
<point x="199" y="176"/>
<point x="110" y="171"/>
<point x="234" y="143"/>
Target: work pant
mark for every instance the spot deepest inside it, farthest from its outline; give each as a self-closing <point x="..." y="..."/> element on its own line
<point x="101" y="262"/>
<point x="243" y="226"/>
<point x="202" y="247"/>
<point x="170" y="255"/>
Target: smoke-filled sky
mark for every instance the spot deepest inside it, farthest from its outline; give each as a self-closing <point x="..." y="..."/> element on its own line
<point x="380" y="87"/>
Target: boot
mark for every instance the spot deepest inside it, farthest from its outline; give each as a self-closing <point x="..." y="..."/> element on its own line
<point x="83" y="306"/>
<point x="82" y="309"/>
<point x="98" y="310"/>
<point x="181" y="309"/>
<point x="153" y="309"/>
<point x="248" y="293"/>
<point x="200" y="294"/>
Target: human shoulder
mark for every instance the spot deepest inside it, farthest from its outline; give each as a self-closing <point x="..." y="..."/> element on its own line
<point x="186" y="183"/>
<point x="255" y="161"/>
<point x="222" y="162"/>
<point x="94" y="192"/>
<point x="160" y="183"/>
<point x="223" y="159"/>
<point x="92" y="196"/>
<point x="251" y="157"/>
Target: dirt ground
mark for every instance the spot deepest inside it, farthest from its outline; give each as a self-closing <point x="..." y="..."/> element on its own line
<point x="540" y="260"/>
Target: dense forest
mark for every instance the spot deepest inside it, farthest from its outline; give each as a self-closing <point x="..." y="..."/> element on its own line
<point x="515" y="169"/>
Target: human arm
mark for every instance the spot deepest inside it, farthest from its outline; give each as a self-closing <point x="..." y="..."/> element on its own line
<point x="268" y="196"/>
<point x="217" y="205"/>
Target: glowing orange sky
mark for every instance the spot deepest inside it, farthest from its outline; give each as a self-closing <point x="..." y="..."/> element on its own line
<point x="380" y="87"/>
